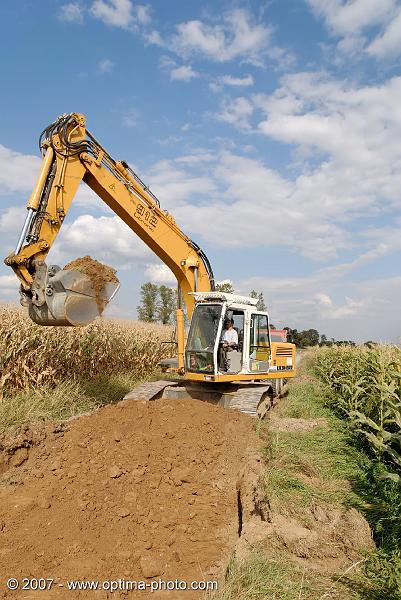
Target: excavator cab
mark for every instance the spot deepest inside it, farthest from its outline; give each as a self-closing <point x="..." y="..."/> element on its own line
<point x="205" y="356"/>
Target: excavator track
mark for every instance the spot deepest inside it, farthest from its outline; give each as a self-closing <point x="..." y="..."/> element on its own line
<point x="253" y="400"/>
<point x="249" y="400"/>
<point x="150" y="390"/>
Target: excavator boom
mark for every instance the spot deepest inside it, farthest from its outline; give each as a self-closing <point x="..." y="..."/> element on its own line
<point x="71" y="155"/>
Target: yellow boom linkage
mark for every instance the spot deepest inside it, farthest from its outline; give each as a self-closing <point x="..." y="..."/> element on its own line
<point x="71" y="155"/>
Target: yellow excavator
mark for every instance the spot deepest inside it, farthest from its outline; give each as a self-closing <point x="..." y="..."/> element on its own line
<point x="244" y="376"/>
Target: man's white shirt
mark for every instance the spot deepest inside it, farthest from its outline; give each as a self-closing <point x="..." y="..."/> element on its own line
<point x="230" y="336"/>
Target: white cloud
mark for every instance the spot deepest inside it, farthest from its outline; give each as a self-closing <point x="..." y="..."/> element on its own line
<point x="88" y="200"/>
<point x="117" y="13"/>
<point x="72" y="12"/>
<point x="236" y="111"/>
<point x="324" y="299"/>
<point x="143" y="13"/>
<point x="209" y="194"/>
<point x="245" y="81"/>
<point x="8" y="281"/>
<point x="169" y="140"/>
<point x="236" y="36"/>
<point x="18" y="171"/>
<point x="228" y="80"/>
<point x="125" y="15"/>
<point x="352" y="16"/>
<point x="349" y="309"/>
<point x="183" y="73"/>
<point x="333" y="312"/>
<point x="175" y="186"/>
<point x="9" y="286"/>
<point x="352" y="131"/>
<point x="166" y="62"/>
<point x="12" y="219"/>
<point x="107" y="239"/>
<point x="348" y="19"/>
<point x="160" y="273"/>
<point x="106" y="65"/>
<point x="388" y="45"/>
<point x="154" y="37"/>
<point x="196" y="157"/>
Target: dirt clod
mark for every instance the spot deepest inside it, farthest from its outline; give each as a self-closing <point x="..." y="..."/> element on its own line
<point x="98" y="273"/>
<point x="44" y="503"/>
<point x="115" y="472"/>
<point x="55" y="465"/>
<point x="19" y="457"/>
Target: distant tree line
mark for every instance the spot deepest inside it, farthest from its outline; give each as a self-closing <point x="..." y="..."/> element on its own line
<point x="159" y="302"/>
<point x="311" y="337"/>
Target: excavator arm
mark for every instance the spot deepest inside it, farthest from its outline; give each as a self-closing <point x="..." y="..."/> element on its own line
<point x="71" y="154"/>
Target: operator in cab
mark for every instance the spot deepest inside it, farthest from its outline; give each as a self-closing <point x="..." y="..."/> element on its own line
<point x="228" y="342"/>
<point x="229" y="336"/>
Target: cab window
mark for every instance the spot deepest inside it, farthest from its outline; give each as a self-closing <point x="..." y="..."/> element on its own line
<point x="259" y="343"/>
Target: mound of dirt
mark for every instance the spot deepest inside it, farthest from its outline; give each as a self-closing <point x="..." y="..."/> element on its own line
<point x="98" y="273"/>
<point x="135" y="491"/>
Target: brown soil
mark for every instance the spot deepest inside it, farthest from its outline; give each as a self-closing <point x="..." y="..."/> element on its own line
<point x="135" y="491"/>
<point x="98" y="273"/>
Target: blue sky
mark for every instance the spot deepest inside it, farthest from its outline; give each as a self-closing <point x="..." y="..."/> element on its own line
<point x="270" y="130"/>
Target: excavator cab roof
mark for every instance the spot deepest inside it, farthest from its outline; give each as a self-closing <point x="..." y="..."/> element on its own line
<point x="223" y="297"/>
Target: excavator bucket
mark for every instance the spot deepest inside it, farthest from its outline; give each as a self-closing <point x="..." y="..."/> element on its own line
<point x="66" y="297"/>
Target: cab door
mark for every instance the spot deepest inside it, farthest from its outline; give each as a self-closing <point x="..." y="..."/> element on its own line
<point x="259" y="344"/>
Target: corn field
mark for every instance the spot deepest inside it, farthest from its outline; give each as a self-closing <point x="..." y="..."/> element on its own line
<point x="366" y="385"/>
<point x="31" y="355"/>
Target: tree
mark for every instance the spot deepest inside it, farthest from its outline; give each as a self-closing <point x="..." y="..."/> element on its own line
<point x="309" y="337"/>
<point x="261" y="301"/>
<point x="225" y="286"/>
<point x="302" y="339"/>
<point x="294" y="336"/>
<point x="147" y="311"/>
<point x="167" y="304"/>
